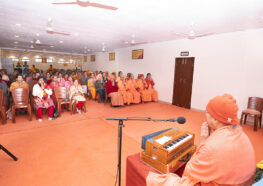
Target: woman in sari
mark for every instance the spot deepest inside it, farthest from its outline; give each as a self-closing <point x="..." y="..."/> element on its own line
<point x="54" y="83"/>
<point x="132" y="88"/>
<point x="41" y="93"/>
<point x="112" y="92"/>
<point x="127" y="96"/>
<point x="91" y="86"/>
<point x="76" y="95"/>
<point x="145" y="94"/>
<point x="19" y="83"/>
<point x="69" y="82"/>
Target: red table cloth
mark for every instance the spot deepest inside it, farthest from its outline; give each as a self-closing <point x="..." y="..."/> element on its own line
<point x="137" y="171"/>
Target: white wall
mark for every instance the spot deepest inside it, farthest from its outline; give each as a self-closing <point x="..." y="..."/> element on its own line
<point x="226" y="63"/>
<point x="0" y="58"/>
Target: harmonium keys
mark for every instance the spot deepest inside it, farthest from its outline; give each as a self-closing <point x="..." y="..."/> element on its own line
<point x="169" y="145"/>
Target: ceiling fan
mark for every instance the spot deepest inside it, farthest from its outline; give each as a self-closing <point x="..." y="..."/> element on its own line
<point x="50" y="30"/>
<point x="86" y="4"/>
<point x="133" y="42"/>
<point x="192" y="34"/>
<point x="35" y="43"/>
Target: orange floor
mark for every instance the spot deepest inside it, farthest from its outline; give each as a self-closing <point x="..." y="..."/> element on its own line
<point x="81" y="150"/>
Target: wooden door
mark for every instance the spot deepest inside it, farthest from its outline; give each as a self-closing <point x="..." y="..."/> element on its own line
<point x="183" y="80"/>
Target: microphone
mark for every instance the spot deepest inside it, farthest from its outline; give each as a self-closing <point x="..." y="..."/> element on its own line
<point x="180" y="120"/>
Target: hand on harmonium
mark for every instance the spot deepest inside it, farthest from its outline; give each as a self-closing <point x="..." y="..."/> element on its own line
<point x="205" y="132"/>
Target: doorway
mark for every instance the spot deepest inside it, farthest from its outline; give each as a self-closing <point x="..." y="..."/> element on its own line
<point x="183" y="81"/>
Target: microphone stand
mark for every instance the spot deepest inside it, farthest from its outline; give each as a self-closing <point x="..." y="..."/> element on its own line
<point x="8" y="153"/>
<point x="120" y="136"/>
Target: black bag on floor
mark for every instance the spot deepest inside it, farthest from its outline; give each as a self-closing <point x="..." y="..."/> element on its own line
<point x="55" y="113"/>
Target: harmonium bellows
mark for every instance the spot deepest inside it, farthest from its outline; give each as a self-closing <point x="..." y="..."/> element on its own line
<point x="169" y="150"/>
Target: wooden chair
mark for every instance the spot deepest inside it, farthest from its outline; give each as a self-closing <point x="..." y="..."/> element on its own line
<point x="254" y="108"/>
<point x="62" y="98"/>
<point x="31" y="85"/>
<point x="107" y="99"/>
<point x="20" y="100"/>
<point x="2" y="107"/>
<point x="74" y="105"/>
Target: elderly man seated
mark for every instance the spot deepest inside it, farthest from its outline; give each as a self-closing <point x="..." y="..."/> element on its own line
<point x="225" y="155"/>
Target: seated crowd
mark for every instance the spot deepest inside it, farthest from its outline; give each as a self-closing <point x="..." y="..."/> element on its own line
<point x="101" y="86"/>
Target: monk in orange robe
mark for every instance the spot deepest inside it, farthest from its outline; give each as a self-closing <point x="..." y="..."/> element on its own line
<point x="146" y="95"/>
<point x="225" y="155"/>
<point x="132" y="88"/>
<point x="51" y="69"/>
<point x="127" y="96"/>
<point x="150" y="83"/>
<point x="128" y="77"/>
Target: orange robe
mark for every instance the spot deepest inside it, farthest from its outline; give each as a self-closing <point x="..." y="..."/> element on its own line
<point x="51" y="69"/>
<point x="226" y="157"/>
<point x="127" y="96"/>
<point x="131" y="87"/>
<point x="33" y="69"/>
<point x="145" y="94"/>
<point x="154" y="93"/>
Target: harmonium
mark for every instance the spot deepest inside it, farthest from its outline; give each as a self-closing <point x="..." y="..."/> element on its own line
<point x="168" y="150"/>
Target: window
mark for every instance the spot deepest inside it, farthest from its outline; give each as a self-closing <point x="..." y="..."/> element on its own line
<point x="25" y="60"/>
<point x="50" y="60"/>
<point x="38" y="60"/>
<point x="15" y="59"/>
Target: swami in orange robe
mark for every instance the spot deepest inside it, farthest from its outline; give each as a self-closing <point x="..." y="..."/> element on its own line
<point x="146" y="95"/>
<point x="127" y="96"/>
<point x="224" y="157"/>
<point x="150" y="83"/>
<point x="132" y="88"/>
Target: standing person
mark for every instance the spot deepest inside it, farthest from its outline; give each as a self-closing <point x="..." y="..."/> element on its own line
<point x="19" y="67"/>
<point x="146" y="95"/>
<point x="150" y="83"/>
<point x="132" y="88"/>
<point x="19" y="83"/>
<point x="76" y="94"/>
<point x="25" y="67"/>
<point x="4" y="87"/>
<point x="33" y="68"/>
<point x="51" y="69"/>
<point x="42" y="99"/>
<point x="91" y="86"/>
<point x="100" y="87"/>
<point x="112" y="92"/>
<point x="84" y="81"/>
<point x="218" y="160"/>
<point x="127" y="96"/>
